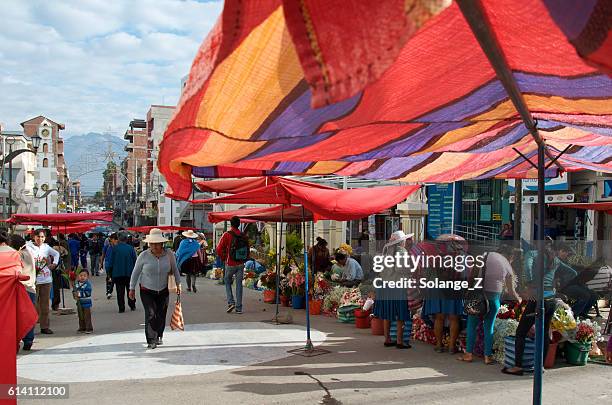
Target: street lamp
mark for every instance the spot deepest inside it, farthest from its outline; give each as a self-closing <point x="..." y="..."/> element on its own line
<point x="46" y="191"/>
<point x="10" y="140"/>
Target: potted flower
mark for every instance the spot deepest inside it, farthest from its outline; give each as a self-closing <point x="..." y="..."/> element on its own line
<point x="320" y="287"/>
<point x="578" y="347"/>
<point x="285" y="291"/>
<point x="268" y="282"/>
<point x="296" y="282"/>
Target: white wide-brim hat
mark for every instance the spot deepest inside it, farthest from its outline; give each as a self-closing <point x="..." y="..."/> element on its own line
<point x="155" y="236"/>
<point x="190" y="234"/>
<point x="396" y="238"/>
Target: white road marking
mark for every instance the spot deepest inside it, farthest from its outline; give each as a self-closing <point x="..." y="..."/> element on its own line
<point x="202" y="348"/>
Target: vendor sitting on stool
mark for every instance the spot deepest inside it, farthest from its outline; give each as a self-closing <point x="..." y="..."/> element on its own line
<point x="352" y="273"/>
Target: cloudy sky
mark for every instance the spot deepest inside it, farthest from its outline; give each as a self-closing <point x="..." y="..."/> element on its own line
<point x="96" y="64"/>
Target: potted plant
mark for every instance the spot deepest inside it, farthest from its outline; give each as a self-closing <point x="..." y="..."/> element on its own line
<point x="296" y="282"/>
<point x="285" y="291"/>
<point x="268" y="282"/>
<point x="320" y="287"/>
<point x="578" y="347"/>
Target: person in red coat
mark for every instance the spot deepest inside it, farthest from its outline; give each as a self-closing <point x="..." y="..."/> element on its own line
<point x="233" y="250"/>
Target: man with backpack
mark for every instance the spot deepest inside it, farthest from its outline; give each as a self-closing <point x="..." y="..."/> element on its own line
<point x="233" y="249"/>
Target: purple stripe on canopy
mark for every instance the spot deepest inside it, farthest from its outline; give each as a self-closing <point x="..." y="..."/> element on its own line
<point x="293" y="167"/>
<point x="493" y="93"/>
<point x="395" y="167"/>
<point x="570" y="15"/>
<point x="299" y="119"/>
<point x="205" y="171"/>
<point x="411" y="144"/>
<point x="593" y="153"/>
<point x="591" y="86"/>
<point x="286" y="144"/>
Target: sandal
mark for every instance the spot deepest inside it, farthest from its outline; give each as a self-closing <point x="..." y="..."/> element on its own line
<point x="389" y="344"/>
<point x="507" y="371"/>
<point x="490" y="362"/>
<point x="402" y="346"/>
<point x="463" y="358"/>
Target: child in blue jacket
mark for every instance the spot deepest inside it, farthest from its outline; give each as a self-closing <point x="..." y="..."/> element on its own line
<point x="82" y="294"/>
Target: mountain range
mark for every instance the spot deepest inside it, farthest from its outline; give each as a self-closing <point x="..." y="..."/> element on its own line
<point x="87" y="156"/>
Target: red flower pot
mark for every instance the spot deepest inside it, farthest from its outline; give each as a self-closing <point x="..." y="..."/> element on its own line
<point x="269" y="296"/>
<point x="314" y="307"/>
<point x="284" y="300"/>
<point x="378" y="327"/>
<point x="362" y="319"/>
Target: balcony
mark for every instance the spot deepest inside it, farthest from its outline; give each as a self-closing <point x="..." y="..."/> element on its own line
<point x="129" y="136"/>
<point x="129" y="147"/>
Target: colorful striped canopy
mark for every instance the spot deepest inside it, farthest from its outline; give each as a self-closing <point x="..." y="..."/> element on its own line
<point x="426" y="108"/>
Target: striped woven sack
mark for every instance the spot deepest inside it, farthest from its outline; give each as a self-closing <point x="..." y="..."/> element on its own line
<point x="177" y="316"/>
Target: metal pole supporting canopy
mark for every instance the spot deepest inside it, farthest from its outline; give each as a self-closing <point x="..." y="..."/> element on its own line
<point x="479" y="24"/>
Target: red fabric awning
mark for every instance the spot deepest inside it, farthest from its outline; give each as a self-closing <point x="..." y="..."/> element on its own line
<point x="328" y="203"/>
<point x="233" y="186"/>
<point x="600" y="206"/>
<point x="60" y="219"/>
<point x="77" y="227"/>
<point x="17" y="315"/>
<point x="267" y="214"/>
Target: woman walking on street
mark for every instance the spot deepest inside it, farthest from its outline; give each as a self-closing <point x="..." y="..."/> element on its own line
<point x="153" y="267"/>
<point x="188" y="259"/>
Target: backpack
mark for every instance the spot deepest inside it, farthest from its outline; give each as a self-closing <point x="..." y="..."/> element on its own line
<point x="239" y="247"/>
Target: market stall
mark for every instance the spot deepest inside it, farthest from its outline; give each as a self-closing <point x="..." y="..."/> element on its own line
<point x="481" y="90"/>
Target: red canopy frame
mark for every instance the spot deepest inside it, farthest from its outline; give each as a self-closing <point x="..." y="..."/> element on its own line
<point x="60" y="219"/>
<point x="269" y="214"/>
<point x="599" y="206"/>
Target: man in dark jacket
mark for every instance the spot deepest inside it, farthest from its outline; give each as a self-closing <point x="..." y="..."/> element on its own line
<point x="121" y="267"/>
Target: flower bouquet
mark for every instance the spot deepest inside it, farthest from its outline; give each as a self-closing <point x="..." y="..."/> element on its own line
<point x="502" y="329"/>
<point x="249" y="282"/>
<point x="563" y="322"/>
<point x="345" y="248"/>
<point x="331" y="302"/>
<point x="505" y="312"/>
<point x="586" y="332"/>
<point x="268" y="280"/>
<point x="296" y="282"/>
<point x="580" y="342"/>
<point x="320" y="288"/>
<point x="351" y="297"/>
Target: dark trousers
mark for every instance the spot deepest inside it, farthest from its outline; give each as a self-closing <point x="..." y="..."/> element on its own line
<point x="29" y="338"/>
<point x="123" y="287"/>
<point x="526" y="322"/>
<point x="109" y="282"/>
<point x="155" y="305"/>
<point x="85" y="319"/>
<point x="57" y="289"/>
<point x="191" y="281"/>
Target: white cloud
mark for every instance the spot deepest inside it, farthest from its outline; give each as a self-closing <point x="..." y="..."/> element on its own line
<point x="96" y="64"/>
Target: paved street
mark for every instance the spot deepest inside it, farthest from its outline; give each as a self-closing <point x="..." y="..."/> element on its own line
<point x="237" y="359"/>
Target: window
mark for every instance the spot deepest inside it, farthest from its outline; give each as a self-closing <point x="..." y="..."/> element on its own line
<point x="45" y="162"/>
<point x="45" y="148"/>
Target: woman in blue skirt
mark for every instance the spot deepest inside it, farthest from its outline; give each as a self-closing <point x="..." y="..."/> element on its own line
<point x="391" y="304"/>
<point x="445" y="303"/>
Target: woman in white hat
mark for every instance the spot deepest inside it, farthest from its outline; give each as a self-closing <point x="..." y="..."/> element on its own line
<point x="188" y="258"/>
<point x="151" y="271"/>
<point x="391" y="304"/>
